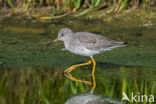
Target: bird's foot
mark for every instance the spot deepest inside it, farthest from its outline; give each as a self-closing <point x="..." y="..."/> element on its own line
<point x="69" y="69"/>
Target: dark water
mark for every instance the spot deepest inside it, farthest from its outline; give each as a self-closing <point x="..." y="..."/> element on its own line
<point x="48" y="85"/>
<point x="32" y="72"/>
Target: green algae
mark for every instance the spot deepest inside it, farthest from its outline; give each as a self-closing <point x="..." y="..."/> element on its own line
<point x="24" y="43"/>
<point x="23" y="29"/>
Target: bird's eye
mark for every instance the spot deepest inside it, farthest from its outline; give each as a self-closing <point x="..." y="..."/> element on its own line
<point x="62" y="34"/>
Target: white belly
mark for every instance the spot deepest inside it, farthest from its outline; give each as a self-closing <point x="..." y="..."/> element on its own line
<point x="82" y="51"/>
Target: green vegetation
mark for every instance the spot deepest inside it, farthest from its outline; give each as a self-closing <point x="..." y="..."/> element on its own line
<point x="64" y="7"/>
<point x="44" y="85"/>
<point x="25" y="44"/>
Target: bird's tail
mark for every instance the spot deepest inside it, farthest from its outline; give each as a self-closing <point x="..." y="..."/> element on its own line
<point x="125" y="43"/>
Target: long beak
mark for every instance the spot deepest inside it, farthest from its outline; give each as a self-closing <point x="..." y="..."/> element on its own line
<point x="53" y="41"/>
<point x="56" y="39"/>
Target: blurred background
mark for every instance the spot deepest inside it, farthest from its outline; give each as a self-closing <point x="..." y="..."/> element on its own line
<point x="61" y="8"/>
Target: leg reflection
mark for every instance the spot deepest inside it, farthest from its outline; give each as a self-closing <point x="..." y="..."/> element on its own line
<point x="93" y="83"/>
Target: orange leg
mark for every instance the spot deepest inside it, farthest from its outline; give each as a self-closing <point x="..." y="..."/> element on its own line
<point x="77" y="80"/>
<point x="93" y="71"/>
<point x="74" y="66"/>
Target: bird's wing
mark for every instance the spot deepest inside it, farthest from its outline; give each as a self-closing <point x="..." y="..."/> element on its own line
<point x="94" y="42"/>
<point x="86" y="38"/>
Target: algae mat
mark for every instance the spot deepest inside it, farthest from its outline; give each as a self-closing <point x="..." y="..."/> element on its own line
<point x="23" y="42"/>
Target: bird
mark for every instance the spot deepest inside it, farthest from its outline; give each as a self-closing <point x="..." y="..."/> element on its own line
<point x="86" y="44"/>
<point x="91" y="98"/>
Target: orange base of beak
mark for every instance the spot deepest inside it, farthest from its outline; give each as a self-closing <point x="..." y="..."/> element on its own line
<point x="56" y="39"/>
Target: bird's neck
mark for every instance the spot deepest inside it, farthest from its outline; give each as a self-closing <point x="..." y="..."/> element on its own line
<point x="67" y="41"/>
<point x="66" y="44"/>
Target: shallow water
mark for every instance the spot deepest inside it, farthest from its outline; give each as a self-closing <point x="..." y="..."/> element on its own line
<point x="32" y="72"/>
<point x="23" y="42"/>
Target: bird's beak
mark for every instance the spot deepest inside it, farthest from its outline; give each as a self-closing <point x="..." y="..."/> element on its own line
<point x="53" y="41"/>
<point x="56" y="39"/>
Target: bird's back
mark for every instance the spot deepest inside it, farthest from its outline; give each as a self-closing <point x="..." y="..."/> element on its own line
<point x="93" y="41"/>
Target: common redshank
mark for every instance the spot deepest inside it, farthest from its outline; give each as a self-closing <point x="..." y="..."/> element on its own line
<point x="86" y="44"/>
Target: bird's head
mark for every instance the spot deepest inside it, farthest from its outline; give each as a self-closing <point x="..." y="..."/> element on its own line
<point x="64" y="34"/>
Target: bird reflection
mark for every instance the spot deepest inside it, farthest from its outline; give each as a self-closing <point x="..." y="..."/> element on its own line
<point x="89" y="97"/>
<point x="93" y="83"/>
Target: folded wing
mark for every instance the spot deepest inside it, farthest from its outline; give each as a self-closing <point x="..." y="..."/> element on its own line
<point x="96" y="42"/>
